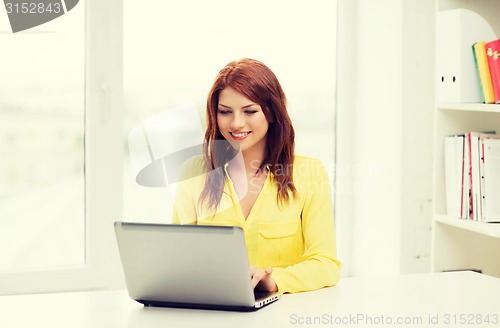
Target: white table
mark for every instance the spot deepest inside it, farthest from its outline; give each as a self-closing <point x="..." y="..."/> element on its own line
<point x="422" y="300"/>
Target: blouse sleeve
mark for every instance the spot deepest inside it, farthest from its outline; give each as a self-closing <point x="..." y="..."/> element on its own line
<point x="320" y="267"/>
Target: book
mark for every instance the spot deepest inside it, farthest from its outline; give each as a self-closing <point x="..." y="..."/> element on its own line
<point x="493" y="55"/>
<point x="483" y="72"/>
<point x="490" y="176"/>
<point x="454" y="173"/>
<point x="474" y="152"/>
<point x="466" y="191"/>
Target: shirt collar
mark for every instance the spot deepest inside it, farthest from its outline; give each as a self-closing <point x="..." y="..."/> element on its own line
<point x="268" y="168"/>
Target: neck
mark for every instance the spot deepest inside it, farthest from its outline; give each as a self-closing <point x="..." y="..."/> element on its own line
<point x="252" y="161"/>
<point x="248" y="161"/>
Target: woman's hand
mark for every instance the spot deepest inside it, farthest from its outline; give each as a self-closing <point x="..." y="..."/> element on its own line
<point x="262" y="280"/>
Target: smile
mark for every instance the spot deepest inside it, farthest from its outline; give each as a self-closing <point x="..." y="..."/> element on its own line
<point x="239" y="135"/>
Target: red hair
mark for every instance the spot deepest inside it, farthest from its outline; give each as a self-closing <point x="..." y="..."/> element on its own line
<point x="258" y="83"/>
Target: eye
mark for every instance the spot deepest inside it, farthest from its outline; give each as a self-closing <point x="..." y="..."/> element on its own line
<point x="224" y="111"/>
<point x="250" y="111"/>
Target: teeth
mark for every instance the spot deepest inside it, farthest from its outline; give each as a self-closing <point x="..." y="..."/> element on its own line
<point x="240" y="135"/>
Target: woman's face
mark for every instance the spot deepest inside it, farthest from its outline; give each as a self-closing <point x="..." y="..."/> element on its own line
<point x="242" y="121"/>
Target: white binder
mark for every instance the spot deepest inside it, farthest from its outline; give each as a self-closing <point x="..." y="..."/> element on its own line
<point x="456" y="31"/>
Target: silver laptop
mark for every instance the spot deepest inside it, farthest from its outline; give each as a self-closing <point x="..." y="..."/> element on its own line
<point x="188" y="266"/>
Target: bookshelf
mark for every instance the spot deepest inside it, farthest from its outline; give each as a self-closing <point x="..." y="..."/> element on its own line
<point x="482" y="108"/>
<point x="459" y="244"/>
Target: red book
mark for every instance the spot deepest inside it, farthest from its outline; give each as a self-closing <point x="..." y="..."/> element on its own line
<point x="493" y="54"/>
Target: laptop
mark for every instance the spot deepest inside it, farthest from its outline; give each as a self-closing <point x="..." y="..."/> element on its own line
<point x="188" y="266"/>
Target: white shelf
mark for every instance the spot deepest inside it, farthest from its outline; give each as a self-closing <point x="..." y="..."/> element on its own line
<point x="488" y="229"/>
<point x="471" y="107"/>
<point x="459" y="243"/>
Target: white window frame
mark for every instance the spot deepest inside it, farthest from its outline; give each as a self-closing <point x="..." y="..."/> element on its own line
<point x="103" y="162"/>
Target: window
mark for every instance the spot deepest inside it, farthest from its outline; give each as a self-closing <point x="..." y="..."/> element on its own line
<point x="60" y="96"/>
<point x="41" y="145"/>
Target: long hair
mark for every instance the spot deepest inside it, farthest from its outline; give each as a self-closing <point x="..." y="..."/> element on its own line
<point x="258" y="83"/>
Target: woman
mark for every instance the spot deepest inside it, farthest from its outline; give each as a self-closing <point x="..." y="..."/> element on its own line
<point x="250" y="177"/>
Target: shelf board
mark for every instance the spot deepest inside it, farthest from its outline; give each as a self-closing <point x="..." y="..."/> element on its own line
<point x="488" y="229"/>
<point x="471" y="107"/>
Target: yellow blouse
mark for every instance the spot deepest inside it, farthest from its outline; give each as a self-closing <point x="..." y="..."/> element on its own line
<point x="296" y="239"/>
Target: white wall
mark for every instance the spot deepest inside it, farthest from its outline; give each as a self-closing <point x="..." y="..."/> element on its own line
<point x="417" y="134"/>
<point x="381" y="75"/>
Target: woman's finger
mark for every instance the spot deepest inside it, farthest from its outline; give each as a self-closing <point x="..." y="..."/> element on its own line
<point x="257" y="277"/>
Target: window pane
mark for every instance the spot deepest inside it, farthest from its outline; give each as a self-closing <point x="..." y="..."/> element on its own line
<point x="42" y="217"/>
<point x="174" y="49"/>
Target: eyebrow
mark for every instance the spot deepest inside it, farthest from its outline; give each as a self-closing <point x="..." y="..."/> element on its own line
<point x="247" y="106"/>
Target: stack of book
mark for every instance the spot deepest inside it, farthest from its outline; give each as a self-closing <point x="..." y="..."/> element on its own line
<point x="472" y="176"/>
<point x="487" y="60"/>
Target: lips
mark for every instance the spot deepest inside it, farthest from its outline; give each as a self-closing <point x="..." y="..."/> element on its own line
<point x="239" y="135"/>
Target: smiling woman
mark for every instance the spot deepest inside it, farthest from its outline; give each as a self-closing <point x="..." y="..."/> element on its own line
<point x="287" y="217"/>
<point x="186" y="45"/>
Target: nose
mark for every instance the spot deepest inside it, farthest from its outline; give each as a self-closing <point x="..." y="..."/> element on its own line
<point x="238" y="122"/>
